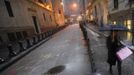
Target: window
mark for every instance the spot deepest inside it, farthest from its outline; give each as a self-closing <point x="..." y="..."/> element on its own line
<point x="131" y="1"/>
<point x="116" y="4"/>
<point x="51" y="17"/>
<point x="40" y="1"/>
<point x="129" y="24"/>
<point x="11" y="37"/>
<point x="24" y="34"/>
<point x="9" y="9"/>
<point x="44" y="17"/>
<point x="19" y="36"/>
<point x="45" y="0"/>
<point x="59" y="11"/>
<point x="1" y="39"/>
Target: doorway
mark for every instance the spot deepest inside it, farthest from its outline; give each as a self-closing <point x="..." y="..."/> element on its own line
<point x="35" y="24"/>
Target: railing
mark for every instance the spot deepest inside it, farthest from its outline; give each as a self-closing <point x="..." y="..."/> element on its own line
<point x="90" y="52"/>
<point x="14" y="49"/>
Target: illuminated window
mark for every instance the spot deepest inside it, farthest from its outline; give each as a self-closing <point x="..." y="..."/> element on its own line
<point x="129" y="24"/>
<point x="114" y="23"/>
<point x="125" y="23"/>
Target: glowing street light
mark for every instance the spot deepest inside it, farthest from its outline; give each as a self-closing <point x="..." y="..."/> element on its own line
<point x="74" y="5"/>
<point x="61" y="3"/>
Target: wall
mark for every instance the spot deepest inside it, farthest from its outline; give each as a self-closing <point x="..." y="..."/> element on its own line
<point x="23" y="10"/>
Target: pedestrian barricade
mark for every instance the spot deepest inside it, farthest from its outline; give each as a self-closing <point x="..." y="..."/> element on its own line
<point x="4" y="53"/>
<point x="14" y="48"/>
<point x="29" y="42"/>
<point x="87" y="40"/>
<point x="35" y="39"/>
<point x="43" y="35"/>
<point x="39" y="37"/>
<point x="23" y="44"/>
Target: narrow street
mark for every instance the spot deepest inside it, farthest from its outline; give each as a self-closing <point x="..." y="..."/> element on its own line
<point x="64" y="54"/>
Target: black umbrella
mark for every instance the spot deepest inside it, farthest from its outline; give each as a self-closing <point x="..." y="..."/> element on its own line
<point x="113" y="28"/>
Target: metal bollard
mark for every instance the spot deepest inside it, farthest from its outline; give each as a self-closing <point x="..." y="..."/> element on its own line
<point x="34" y="40"/>
<point x="11" y="52"/>
<point x="21" y="46"/>
<point x="46" y="34"/>
<point x="28" y="43"/>
<point x="41" y="37"/>
<point x="38" y="36"/>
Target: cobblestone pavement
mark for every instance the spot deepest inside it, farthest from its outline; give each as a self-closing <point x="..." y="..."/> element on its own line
<point x="64" y="54"/>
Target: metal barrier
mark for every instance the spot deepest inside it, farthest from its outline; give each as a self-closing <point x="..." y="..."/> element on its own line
<point x="15" y="48"/>
<point x="87" y="40"/>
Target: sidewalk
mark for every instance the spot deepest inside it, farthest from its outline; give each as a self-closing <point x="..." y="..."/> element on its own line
<point x="98" y="47"/>
<point x="64" y="54"/>
<point x="125" y="42"/>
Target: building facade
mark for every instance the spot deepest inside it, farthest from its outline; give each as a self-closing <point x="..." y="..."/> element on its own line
<point x="98" y="11"/>
<point x="22" y="18"/>
<point x="58" y="12"/>
<point x="121" y="12"/>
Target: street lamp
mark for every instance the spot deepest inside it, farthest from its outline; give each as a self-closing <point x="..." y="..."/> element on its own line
<point x="61" y="3"/>
<point x="74" y="5"/>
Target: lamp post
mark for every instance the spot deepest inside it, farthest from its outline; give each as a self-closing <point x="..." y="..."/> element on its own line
<point x="84" y="10"/>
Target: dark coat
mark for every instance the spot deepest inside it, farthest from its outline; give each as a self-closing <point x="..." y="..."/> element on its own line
<point x="112" y="49"/>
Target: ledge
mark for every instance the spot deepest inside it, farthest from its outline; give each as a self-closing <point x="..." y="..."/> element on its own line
<point x="41" y="5"/>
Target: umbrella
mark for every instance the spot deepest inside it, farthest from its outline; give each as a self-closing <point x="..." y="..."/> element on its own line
<point x="113" y="28"/>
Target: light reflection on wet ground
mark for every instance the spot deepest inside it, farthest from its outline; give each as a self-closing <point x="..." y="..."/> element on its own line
<point x="125" y="36"/>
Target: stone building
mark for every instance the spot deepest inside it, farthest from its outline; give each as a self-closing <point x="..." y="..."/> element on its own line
<point x="98" y="11"/>
<point x="121" y="12"/>
<point x="58" y="12"/>
<point x="22" y="18"/>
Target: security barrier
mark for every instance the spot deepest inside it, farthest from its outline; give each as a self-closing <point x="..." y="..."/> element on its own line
<point x="13" y="49"/>
<point x="90" y="51"/>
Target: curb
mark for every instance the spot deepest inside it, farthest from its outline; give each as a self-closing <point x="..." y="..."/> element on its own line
<point x="105" y="35"/>
<point x="27" y="51"/>
<point x="15" y="59"/>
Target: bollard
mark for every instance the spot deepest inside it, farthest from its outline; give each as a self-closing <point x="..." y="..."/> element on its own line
<point x="46" y="34"/>
<point x="11" y="52"/>
<point x="34" y="40"/>
<point x="85" y="34"/>
<point x="38" y="36"/>
<point x="28" y="43"/>
<point x="21" y="46"/>
<point x="42" y="35"/>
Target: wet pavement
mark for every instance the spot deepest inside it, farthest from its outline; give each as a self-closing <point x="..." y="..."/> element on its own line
<point x="98" y="47"/>
<point x="64" y="54"/>
<point x="125" y="36"/>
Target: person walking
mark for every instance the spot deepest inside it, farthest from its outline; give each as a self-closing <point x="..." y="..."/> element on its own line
<point x="113" y="46"/>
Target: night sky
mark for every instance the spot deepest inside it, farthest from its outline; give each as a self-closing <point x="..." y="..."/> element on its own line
<point x="68" y="7"/>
